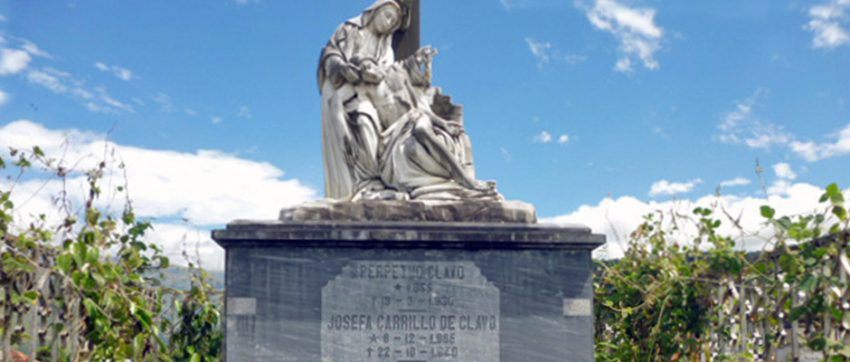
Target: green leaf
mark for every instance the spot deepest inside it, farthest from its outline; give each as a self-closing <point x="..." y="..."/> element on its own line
<point x="91" y="307"/>
<point x="840" y="212"/>
<point x="817" y="343"/>
<point x="64" y="262"/>
<point x="32" y="296"/>
<point x="128" y="217"/>
<point x="98" y="279"/>
<point x="767" y="212"/>
<point x="788" y="264"/>
<point x="784" y="222"/>
<point x="144" y="317"/>
<point x="808" y="284"/>
<point x="164" y="262"/>
<point x="80" y="251"/>
<point x="834" y="193"/>
<point x="93" y="256"/>
<point x="139" y="343"/>
<point x="37" y="151"/>
<point x="797" y="312"/>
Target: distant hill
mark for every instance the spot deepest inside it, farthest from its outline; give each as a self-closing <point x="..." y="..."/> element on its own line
<point x="178" y="277"/>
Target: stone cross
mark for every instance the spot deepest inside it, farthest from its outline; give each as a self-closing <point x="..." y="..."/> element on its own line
<point x="406" y="43"/>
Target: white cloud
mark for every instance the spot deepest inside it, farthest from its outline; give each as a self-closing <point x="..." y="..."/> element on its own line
<point x="95" y="99"/>
<point x="785" y="175"/>
<point x="3" y="18"/>
<point x="735" y="182"/>
<point x="540" y="50"/>
<point x="660" y="132"/>
<point x="506" y="155"/>
<point x="784" y="171"/>
<point x="4" y="97"/>
<point x="635" y="28"/>
<point x="207" y="187"/>
<point x="574" y="58"/>
<point x="119" y="72"/>
<point x="195" y="241"/>
<point x="164" y="101"/>
<point x="813" y="152"/>
<point x="616" y="218"/>
<point x="216" y="120"/>
<point x="47" y="80"/>
<point x="545" y="53"/>
<point x="743" y="126"/>
<point x="664" y="187"/>
<point x="33" y="49"/>
<point x="244" y="112"/>
<point x="543" y="137"/>
<point x="13" y="61"/>
<point x="564" y="139"/>
<point x="827" y="22"/>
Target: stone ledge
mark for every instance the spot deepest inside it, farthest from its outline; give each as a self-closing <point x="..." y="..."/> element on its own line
<point x="414" y="210"/>
<point x="407" y="234"/>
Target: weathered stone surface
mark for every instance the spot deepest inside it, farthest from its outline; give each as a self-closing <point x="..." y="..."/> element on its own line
<point x="408" y="291"/>
<point x="385" y="127"/>
<point x="244" y="233"/>
<point x="413" y="210"/>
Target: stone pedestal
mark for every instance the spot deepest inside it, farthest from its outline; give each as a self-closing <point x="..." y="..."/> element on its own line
<point x="407" y="292"/>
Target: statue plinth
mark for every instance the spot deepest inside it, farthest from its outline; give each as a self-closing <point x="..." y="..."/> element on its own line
<point x="343" y="291"/>
<point x="487" y="211"/>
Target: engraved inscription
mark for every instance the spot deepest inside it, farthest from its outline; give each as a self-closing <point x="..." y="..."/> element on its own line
<point x="410" y="311"/>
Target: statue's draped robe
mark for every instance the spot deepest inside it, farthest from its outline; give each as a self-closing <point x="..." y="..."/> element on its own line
<point x="350" y="125"/>
<point x="369" y="131"/>
<point x="408" y="165"/>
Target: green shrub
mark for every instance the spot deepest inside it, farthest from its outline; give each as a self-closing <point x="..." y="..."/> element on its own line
<point x="89" y="287"/>
<point x="670" y="299"/>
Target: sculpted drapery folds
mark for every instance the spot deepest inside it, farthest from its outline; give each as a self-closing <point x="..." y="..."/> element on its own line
<point x="387" y="133"/>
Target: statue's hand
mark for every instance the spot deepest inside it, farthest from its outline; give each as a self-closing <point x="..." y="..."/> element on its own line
<point x="426" y="54"/>
<point x="341" y="71"/>
<point x="373" y="74"/>
<point x="349" y="72"/>
<point x="454" y="128"/>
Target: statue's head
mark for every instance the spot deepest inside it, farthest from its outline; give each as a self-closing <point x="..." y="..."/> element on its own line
<point x="419" y="66"/>
<point x="385" y="17"/>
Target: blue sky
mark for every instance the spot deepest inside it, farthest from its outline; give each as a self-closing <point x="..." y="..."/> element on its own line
<point x="586" y="109"/>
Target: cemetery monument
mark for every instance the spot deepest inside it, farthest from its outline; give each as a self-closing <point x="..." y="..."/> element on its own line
<point x="410" y="258"/>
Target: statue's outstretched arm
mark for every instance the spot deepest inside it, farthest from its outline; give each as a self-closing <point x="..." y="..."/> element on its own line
<point x="424" y="133"/>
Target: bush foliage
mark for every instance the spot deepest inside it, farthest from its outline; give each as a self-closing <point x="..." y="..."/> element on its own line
<point x="670" y="299"/>
<point x="87" y="288"/>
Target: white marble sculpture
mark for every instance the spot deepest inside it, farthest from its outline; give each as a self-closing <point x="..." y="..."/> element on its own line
<point x="387" y="133"/>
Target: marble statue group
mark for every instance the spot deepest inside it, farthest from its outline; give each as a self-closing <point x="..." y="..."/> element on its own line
<point x="388" y="133"/>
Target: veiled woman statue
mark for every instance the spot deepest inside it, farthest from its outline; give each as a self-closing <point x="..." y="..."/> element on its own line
<point x="388" y="134"/>
<point x="350" y="124"/>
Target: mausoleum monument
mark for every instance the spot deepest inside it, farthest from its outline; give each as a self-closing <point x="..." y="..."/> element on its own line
<point x="410" y="258"/>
